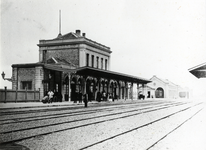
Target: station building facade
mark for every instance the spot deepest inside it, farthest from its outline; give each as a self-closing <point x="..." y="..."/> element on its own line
<point x="72" y="65"/>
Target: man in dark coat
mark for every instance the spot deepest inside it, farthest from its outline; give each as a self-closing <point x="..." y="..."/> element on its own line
<point x="85" y="100"/>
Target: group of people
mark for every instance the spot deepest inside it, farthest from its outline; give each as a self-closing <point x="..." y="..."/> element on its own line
<point x="51" y="97"/>
<point x="104" y="96"/>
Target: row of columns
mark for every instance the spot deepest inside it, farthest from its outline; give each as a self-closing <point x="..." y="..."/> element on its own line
<point x="127" y="89"/>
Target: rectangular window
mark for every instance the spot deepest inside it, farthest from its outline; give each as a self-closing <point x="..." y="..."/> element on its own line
<point x="105" y="64"/>
<point x="101" y="63"/>
<point x="97" y="62"/>
<point x="87" y="60"/>
<point x="44" y="55"/>
<point x="92" y="60"/>
<point x="26" y="85"/>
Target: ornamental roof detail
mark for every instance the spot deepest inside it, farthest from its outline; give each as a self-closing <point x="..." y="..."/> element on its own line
<point x="70" y="35"/>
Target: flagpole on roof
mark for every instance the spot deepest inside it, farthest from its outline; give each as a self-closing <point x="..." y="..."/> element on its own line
<point x="59" y="24"/>
<point x="59" y="21"/>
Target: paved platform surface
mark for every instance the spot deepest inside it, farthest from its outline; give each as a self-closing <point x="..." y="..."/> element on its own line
<point x="65" y="103"/>
<point x="37" y="104"/>
<point x="40" y="104"/>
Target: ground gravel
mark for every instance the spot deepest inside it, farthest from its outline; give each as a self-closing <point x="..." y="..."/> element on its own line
<point x="84" y="136"/>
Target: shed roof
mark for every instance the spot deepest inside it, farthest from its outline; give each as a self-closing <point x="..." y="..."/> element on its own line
<point x="199" y="71"/>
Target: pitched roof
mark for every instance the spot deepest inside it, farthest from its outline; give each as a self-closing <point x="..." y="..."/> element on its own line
<point x="72" y="38"/>
<point x="166" y="81"/>
<point x="70" y="35"/>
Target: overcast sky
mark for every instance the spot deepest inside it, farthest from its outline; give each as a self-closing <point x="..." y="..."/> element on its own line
<point x="147" y="37"/>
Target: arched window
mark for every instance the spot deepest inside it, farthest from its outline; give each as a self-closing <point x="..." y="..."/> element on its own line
<point x="159" y="93"/>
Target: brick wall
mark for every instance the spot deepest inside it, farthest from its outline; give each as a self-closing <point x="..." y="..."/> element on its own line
<point x="26" y="74"/>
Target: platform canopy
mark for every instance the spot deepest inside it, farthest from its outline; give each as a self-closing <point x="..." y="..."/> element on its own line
<point x="98" y="73"/>
<point x="199" y="71"/>
<point x="110" y="74"/>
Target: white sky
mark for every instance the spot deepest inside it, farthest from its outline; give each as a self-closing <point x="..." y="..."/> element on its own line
<point x="148" y="37"/>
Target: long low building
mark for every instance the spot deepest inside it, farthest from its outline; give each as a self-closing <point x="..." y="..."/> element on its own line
<point x="164" y="88"/>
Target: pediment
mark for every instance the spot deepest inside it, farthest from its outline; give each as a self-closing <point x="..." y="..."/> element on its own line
<point x="68" y="36"/>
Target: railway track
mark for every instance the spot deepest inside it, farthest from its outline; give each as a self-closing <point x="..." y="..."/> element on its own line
<point x="112" y="139"/>
<point x="85" y="116"/>
<point x="15" y="118"/>
<point x="66" y="121"/>
<point x="54" y="108"/>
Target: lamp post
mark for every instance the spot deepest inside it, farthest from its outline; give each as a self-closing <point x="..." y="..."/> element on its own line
<point x="3" y="76"/>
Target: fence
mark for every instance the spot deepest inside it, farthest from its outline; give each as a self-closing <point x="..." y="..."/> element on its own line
<point x="8" y="95"/>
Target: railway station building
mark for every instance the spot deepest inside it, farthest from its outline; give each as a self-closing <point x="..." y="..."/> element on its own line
<point x="72" y="65"/>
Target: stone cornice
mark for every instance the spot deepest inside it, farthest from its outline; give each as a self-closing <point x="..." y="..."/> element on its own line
<point x="27" y="65"/>
<point x="60" y="42"/>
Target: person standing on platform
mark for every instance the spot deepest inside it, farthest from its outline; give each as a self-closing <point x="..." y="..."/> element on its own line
<point x="98" y="96"/>
<point x="104" y="96"/>
<point x="50" y="94"/>
<point x="85" y="100"/>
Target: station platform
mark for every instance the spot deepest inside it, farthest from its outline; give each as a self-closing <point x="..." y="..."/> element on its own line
<point x="38" y="104"/>
<point x="71" y="103"/>
<point x="54" y="104"/>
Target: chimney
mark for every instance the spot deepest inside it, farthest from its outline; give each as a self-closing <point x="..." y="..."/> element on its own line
<point x="78" y="32"/>
<point x="84" y="34"/>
